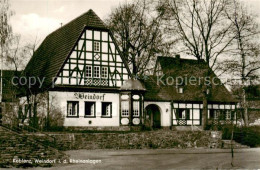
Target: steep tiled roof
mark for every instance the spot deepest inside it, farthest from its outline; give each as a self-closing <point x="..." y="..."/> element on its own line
<point x="185" y="68"/>
<point x="52" y="53"/>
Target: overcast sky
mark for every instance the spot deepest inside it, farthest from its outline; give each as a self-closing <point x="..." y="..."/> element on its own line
<point x="38" y="18"/>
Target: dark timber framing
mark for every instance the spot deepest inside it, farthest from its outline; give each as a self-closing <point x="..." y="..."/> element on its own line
<point x="75" y="71"/>
<point x="183" y="122"/>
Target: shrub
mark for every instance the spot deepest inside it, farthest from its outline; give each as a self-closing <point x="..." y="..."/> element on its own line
<point x="248" y="136"/>
<point x="245" y="135"/>
<point x="227" y="132"/>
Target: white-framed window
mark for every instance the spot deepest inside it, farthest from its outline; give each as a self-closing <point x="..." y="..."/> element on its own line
<point x="72" y="108"/>
<point x="96" y="46"/>
<point x="96" y="71"/>
<point x="90" y="109"/>
<point x="184" y="114"/>
<point x="106" y="109"/>
<point x="88" y="71"/>
<point x="104" y="72"/>
<point x="228" y="115"/>
<point x="216" y="114"/>
<point x="136" y="108"/>
<point x="211" y="114"/>
<point x="125" y="108"/>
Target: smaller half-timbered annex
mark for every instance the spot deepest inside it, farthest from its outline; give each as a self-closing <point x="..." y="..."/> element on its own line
<point x="88" y="79"/>
<point x="181" y="102"/>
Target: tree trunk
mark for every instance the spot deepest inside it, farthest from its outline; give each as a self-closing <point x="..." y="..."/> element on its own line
<point x="48" y="112"/>
<point x="35" y="118"/>
<point x="134" y="67"/>
<point x="205" y="98"/>
<point x="205" y="112"/>
<point x="245" y="109"/>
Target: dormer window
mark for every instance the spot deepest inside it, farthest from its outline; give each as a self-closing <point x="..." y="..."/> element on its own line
<point x="96" y="46"/>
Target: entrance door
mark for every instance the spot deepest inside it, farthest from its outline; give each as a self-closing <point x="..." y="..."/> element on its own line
<point x="153" y="116"/>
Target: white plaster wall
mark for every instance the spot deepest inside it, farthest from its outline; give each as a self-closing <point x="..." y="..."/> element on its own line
<point x="61" y="98"/>
<point x="165" y="116"/>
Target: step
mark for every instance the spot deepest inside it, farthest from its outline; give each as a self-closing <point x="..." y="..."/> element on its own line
<point x="228" y="143"/>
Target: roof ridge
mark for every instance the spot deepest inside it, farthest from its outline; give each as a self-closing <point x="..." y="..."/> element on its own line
<point x="180" y="58"/>
<point x="85" y="13"/>
<point x="90" y="10"/>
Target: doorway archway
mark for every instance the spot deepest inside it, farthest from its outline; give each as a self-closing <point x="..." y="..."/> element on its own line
<point x="153" y="116"/>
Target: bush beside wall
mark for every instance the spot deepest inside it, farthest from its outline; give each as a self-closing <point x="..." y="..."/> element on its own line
<point x="249" y="136"/>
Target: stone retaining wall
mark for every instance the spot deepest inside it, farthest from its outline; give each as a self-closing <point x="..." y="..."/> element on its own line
<point x="14" y="146"/>
<point x="137" y="140"/>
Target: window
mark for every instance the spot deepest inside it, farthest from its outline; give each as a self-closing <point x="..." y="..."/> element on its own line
<point x="228" y="115"/>
<point x="124" y="108"/>
<point x="222" y="114"/>
<point x="216" y="114"/>
<point x="211" y="114"/>
<point x="73" y="109"/>
<point x="96" y="71"/>
<point x="90" y="109"/>
<point x="184" y="114"/>
<point x="180" y="89"/>
<point x="136" y="107"/>
<point x="106" y="109"/>
<point x="88" y="71"/>
<point x="104" y="72"/>
<point x="96" y="46"/>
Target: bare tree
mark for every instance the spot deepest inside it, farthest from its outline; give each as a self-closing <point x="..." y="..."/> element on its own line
<point x="136" y="27"/>
<point x="245" y="61"/>
<point x="201" y="29"/>
<point x="16" y="58"/>
<point x="5" y="33"/>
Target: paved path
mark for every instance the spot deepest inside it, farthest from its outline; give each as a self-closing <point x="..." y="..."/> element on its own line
<point x="164" y="159"/>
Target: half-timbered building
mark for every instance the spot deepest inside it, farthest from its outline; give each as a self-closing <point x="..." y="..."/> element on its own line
<point x="87" y="77"/>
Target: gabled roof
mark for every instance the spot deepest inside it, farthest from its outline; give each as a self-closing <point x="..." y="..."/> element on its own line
<point x="185" y="68"/>
<point x="57" y="46"/>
